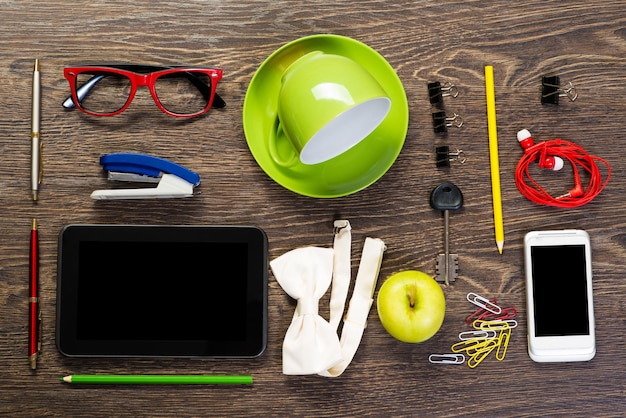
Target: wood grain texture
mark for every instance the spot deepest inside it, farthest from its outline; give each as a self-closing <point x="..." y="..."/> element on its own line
<point x="582" y="41"/>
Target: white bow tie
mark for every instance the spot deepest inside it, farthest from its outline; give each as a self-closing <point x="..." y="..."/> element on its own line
<point x="311" y="343"/>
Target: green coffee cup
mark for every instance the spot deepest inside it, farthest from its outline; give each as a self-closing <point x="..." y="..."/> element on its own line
<point x="327" y="104"/>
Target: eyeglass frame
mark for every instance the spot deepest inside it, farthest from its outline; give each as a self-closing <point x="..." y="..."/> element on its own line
<point x="139" y="76"/>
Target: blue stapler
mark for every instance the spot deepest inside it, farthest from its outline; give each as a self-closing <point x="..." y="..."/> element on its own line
<point x="173" y="180"/>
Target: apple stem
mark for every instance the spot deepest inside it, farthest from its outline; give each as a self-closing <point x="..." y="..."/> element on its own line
<point x="411" y="296"/>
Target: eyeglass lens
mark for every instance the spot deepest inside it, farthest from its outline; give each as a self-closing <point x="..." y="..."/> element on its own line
<point x="108" y="94"/>
<point x="182" y="93"/>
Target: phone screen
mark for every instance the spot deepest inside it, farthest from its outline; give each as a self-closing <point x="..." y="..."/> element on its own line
<point x="559" y="279"/>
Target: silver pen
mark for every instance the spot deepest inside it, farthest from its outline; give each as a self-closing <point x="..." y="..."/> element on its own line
<point x="36" y="168"/>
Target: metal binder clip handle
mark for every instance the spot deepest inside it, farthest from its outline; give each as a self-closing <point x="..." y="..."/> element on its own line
<point x="443" y="121"/>
<point x="551" y="90"/>
<point x="437" y="91"/>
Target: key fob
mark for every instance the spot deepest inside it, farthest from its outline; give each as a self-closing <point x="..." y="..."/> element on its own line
<point x="446" y="196"/>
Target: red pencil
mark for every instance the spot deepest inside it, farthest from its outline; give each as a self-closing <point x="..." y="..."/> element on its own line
<point x="34" y="344"/>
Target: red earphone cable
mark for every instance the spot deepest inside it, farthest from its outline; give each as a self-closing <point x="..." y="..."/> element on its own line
<point x="577" y="157"/>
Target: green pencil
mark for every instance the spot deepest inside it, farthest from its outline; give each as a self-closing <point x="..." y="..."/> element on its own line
<point x="156" y="380"/>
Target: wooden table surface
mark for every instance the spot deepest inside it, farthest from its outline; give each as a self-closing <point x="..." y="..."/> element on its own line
<point x="447" y="40"/>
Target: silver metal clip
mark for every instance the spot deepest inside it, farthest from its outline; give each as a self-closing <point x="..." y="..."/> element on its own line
<point x="551" y="90"/>
<point x="445" y="156"/>
<point x="477" y="334"/>
<point x="437" y="91"/>
<point x="447" y="358"/>
<point x="483" y="302"/>
<point x="442" y="121"/>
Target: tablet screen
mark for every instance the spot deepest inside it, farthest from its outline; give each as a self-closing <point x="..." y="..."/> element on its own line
<point x="162" y="291"/>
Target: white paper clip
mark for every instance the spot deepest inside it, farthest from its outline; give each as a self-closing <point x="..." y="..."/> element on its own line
<point x="483" y="334"/>
<point x="447" y="358"/>
<point x="173" y="180"/>
<point x="483" y="303"/>
<point x="512" y="323"/>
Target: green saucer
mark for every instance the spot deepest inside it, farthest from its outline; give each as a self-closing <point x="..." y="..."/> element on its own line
<point x="349" y="172"/>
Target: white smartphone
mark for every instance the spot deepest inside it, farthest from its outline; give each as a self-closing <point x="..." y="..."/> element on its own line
<point x="561" y="325"/>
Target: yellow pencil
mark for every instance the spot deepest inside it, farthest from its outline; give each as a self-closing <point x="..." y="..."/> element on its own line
<point x="493" y="157"/>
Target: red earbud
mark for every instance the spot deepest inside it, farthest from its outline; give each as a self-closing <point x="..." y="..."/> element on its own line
<point x="550" y="162"/>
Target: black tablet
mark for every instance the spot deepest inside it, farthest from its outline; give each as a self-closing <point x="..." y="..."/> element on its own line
<point x="161" y="291"/>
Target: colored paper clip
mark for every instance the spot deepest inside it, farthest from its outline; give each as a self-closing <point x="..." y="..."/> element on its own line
<point x="473" y="346"/>
<point x="478" y="313"/>
<point x="489" y="325"/>
<point x="447" y="358"/>
<point x="507" y="313"/>
<point x="483" y="303"/>
<point x="503" y="343"/>
<point x="476" y="359"/>
<point x="173" y="180"/>
<point x="494" y="325"/>
<point x="478" y="334"/>
<point x="465" y="345"/>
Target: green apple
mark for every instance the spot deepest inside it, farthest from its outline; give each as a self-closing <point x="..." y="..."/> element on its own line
<point x="411" y="306"/>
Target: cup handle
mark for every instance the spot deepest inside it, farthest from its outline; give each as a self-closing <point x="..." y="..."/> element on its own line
<point x="278" y="135"/>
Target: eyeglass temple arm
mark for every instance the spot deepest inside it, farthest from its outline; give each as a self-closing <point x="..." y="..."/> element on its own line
<point x="83" y="90"/>
<point x="218" y="102"/>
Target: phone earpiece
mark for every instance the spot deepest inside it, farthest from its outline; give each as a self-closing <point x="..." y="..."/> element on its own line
<point x="525" y="139"/>
<point x="549" y="161"/>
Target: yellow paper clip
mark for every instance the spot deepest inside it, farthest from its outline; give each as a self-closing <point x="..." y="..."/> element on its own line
<point x="467" y="345"/>
<point x="492" y="325"/>
<point x="496" y="324"/>
<point x="489" y="345"/>
<point x="447" y="358"/>
<point x="503" y="343"/>
<point x="483" y="303"/>
<point x="473" y="346"/>
<point x="476" y="359"/>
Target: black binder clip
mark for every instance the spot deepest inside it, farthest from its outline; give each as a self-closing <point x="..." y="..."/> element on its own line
<point x="441" y="121"/>
<point x="444" y="156"/>
<point x="551" y="90"/>
<point x="436" y="91"/>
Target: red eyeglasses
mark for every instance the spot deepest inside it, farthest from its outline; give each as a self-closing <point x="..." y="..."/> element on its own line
<point x="108" y="90"/>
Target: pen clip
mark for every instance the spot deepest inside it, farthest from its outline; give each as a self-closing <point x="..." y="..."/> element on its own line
<point x="39" y="328"/>
<point x="40" y="161"/>
<point x="36" y="136"/>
